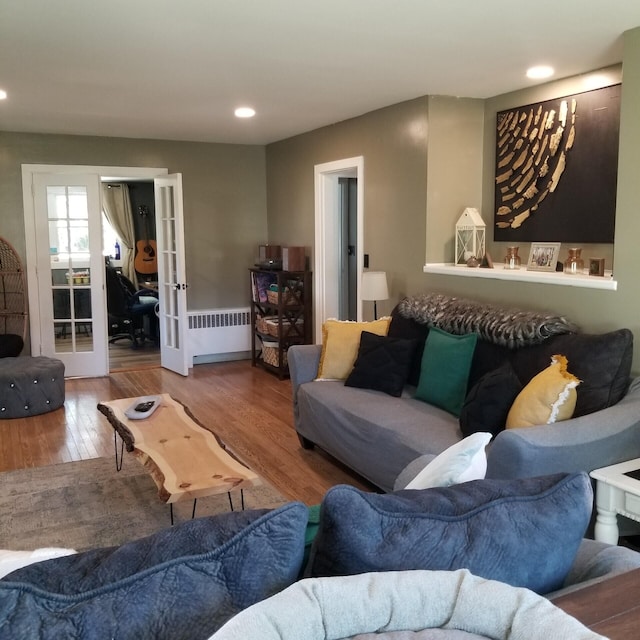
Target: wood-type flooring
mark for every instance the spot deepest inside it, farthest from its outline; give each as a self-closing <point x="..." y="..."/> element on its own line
<point x="247" y="407"/>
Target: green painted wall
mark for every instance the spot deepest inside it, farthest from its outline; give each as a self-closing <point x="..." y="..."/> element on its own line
<point x="409" y="222"/>
<point x="224" y="200"/>
<point x="424" y="161"/>
<point x="594" y="310"/>
<point x="393" y="143"/>
<point x="454" y="177"/>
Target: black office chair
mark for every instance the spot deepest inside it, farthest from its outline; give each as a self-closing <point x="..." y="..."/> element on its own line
<point x="131" y="312"/>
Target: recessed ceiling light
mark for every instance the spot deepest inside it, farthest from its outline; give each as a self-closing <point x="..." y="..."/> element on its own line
<point x="537" y="73"/>
<point x="245" y="112"/>
<point x="3" y="94"/>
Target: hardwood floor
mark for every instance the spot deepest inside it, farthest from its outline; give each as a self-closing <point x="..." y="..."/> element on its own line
<point x="247" y="407"/>
<point x="123" y="358"/>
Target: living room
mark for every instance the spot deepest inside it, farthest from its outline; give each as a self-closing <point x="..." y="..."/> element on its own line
<point x="426" y="159"/>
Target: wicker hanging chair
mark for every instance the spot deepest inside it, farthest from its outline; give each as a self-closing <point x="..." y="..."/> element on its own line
<point x="13" y="294"/>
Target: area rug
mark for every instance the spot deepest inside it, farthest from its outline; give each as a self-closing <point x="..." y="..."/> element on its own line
<point x="86" y="504"/>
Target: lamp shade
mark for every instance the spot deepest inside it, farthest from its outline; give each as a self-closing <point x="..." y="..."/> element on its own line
<point x="374" y="285"/>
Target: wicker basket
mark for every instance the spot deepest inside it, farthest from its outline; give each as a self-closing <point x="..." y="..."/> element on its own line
<point x="273" y="325"/>
<point x="287" y="298"/>
<point x="270" y="356"/>
<point x="262" y="323"/>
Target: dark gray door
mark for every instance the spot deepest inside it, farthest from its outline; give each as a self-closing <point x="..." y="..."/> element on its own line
<point x="348" y="253"/>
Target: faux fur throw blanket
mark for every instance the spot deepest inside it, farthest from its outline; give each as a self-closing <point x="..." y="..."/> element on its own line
<point x="511" y="328"/>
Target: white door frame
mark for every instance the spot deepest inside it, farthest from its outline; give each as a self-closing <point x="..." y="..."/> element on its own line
<point x="327" y="234"/>
<point x="28" y="171"/>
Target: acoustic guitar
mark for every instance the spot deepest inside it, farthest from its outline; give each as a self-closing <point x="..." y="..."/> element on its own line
<point x="146" y="258"/>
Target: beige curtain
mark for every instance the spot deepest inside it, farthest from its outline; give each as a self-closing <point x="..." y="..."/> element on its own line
<point x="117" y="208"/>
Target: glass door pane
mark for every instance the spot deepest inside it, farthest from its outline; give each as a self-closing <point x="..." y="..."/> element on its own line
<point x="68" y="221"/>
<point x="174" y="354"/>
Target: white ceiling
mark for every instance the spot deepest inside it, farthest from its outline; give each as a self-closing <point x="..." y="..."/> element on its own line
<point x="176" y="69"/>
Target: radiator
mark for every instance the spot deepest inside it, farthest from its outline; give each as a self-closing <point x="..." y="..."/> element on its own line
<point x="219" y="331"/>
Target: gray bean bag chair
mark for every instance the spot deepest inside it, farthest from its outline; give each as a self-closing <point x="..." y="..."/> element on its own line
<point x="403" y="605"/>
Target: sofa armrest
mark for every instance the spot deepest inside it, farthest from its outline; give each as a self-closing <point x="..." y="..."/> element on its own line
<point x="303" y="363"/>
<point x="303" y="367"/>
<point x="304" y="360"/>
<point x="595" y="562"/>
<point x="580" y="444"/>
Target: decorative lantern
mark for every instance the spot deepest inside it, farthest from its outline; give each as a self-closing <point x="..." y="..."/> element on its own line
<point x="470" y="237"/>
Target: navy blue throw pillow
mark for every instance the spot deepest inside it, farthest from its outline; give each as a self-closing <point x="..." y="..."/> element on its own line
<point x="382" y="364"/>
<point x="180" y="583"/>
<point x="523" y="532"/>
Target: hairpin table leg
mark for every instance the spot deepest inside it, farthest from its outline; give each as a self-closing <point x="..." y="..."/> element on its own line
<point x="115" y="446"/>
<point x="241" y="499"/>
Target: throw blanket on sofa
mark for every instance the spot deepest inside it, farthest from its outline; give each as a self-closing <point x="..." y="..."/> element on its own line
<point x="510" y="328"/>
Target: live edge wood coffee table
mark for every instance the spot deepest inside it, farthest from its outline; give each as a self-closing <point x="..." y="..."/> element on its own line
<point x="185" y="460"/>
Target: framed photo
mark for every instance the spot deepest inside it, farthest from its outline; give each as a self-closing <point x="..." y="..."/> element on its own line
<point x="596" y="266"/>
<point x="543" y="256"/>
<point x="487" y="261"/>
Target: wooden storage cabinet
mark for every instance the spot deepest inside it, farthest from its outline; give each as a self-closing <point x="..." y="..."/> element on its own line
<point x="280" y="316"/>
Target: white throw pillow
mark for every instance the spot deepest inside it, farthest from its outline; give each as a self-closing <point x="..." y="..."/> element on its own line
<point x="12" y="560"/>
<point x="466" y="460"/>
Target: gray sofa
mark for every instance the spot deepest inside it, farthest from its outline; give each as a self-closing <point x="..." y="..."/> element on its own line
<point x="380" y="436"/>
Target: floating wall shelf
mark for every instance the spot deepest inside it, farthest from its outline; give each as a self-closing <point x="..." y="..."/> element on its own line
<point x="522" y="275"/>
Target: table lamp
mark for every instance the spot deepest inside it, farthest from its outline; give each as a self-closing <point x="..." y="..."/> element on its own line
<point x="374" y="287"/>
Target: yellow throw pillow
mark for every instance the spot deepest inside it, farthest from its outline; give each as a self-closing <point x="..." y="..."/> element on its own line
<point x="549" y="397"/>
<point x="340" y="342"/>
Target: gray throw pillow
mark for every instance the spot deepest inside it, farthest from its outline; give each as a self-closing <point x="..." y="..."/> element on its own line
<point x="524" y="532"/>
<point x="183" y="582"/>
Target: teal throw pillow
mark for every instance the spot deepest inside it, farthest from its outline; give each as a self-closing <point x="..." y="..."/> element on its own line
<point x="313" y="524"/>
<point x="444" y="374"/>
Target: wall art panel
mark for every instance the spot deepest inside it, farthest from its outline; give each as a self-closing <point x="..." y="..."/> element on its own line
<point x="556" y="169"/>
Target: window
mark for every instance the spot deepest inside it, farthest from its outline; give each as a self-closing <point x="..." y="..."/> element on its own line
<point x="109" y="239"/>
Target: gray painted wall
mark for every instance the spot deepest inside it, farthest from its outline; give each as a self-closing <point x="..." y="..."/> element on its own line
<point x="224" y="200"/>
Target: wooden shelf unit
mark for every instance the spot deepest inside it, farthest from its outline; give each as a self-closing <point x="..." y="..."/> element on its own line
<point x="280" y="318"/>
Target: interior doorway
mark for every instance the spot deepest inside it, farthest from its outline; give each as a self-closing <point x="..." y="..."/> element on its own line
<point x="348" y="308"/>
<point x="331" y="284"/>
<point x="142" y="350"/>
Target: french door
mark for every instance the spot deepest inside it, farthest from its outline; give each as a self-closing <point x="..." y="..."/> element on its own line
<point x="71" y="323"/>
<point x="65" y="266"/>
<point x="174" y="352"/>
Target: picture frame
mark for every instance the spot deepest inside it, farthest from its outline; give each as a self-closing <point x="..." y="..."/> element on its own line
<point x="543" y="256"/>
<point x="487" y="261"/>
<point x="596" y="267"/>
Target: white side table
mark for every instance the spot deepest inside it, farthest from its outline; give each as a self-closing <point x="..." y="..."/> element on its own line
<point x="616" y="493"/>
